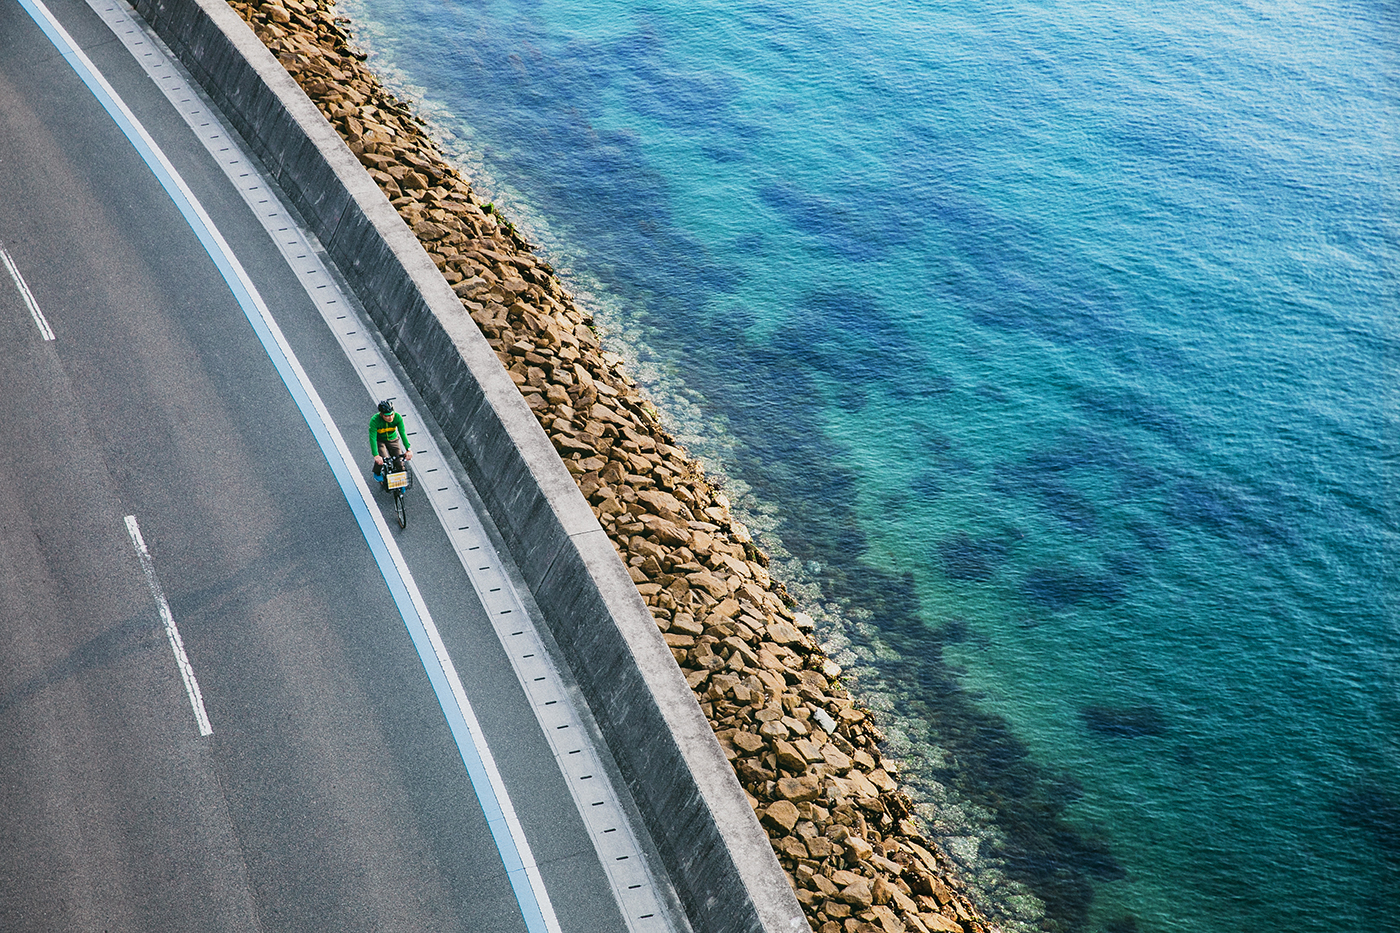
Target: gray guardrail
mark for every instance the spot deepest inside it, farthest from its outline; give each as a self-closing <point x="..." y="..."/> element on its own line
<point x="716" y="855"/>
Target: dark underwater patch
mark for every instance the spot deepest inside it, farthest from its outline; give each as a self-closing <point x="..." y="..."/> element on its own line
<point x="856" y="228"/>
<point x="751" y="242"/>
<point x="1059" y="588"/>
<point x="1119" y="408"/>
<point x="1125" y="565"/>
<point x="955" y="631"/>
<point x="958" y="466"/>
<point x="1185" y="756"/>
<point x="921" y="389"/>
<point x="1059" y="862"/>
<point x="935" y="441"/>
<point x="1130" y="722"/>
<point x="683" y="100"/>
<point x="1049" y="487"/>
<point x="723" y="155"/>
<point x="1062" y="312"/>
<point x="856" y="345"/>
<point x="965" y="558"/>
<point x="1376" y="812"/>
<point x="852" y="398"/>
<point x="1149" y="536"/>
<point x="959" y="632"/>
<point x="926" y="485"/>
<point x="993" y="393"/>
<point x="1229" y="515"/>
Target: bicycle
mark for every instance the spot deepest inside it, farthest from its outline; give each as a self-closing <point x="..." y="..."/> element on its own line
<point x="397" y="479"/>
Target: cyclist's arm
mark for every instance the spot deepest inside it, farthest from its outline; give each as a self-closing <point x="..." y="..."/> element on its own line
<point x="403" y="431"/>
<point x="373" y="436"/>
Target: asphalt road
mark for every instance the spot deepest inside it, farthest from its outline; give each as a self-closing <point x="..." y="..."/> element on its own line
<point x="330" y="794"/>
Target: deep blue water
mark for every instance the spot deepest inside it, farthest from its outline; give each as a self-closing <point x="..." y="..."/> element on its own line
<point x="1052" y="348"/>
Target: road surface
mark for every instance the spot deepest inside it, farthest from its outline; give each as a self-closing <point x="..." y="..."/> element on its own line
<point x="213" y="714"/>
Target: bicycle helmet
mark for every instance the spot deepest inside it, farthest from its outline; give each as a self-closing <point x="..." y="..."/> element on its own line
<point x="385" y="407"/>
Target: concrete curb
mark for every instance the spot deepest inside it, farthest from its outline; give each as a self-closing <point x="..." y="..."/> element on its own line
<point x="717" y="856"/>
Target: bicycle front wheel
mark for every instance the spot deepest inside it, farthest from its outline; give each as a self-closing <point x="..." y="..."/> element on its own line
<point x="399" y="508"/>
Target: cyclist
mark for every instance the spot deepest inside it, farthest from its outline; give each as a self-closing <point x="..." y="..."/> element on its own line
<point x="387" y="437"/>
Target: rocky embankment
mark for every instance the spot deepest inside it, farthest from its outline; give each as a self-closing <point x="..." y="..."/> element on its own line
<point x="805" y="751"/>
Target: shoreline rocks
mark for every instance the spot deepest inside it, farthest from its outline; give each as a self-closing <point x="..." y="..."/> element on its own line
<point x="804" y="750"/>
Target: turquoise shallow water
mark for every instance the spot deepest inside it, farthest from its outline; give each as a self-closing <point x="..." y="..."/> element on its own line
<point x="1052" y="348"/>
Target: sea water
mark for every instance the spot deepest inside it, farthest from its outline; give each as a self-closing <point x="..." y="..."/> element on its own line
<point x="1051" y="347"/>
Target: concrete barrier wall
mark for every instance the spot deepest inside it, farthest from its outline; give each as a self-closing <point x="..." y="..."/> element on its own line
<point x="716" y="854"/>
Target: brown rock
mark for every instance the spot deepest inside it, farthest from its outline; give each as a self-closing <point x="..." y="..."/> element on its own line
<point x="789" y="758"/>
<point x="709" y="583"/>
<point x="882" y="780"/>
<point x="748" y="742"/>
<point x="685" y="624"/>
<point x="903" y="902"/>
<point x="425" y="229"/>
<point x="712" y="662"/>
<point x="861" y="787"/>
<point x="888" y="920"/>
<point x="937" y="923"/>
<point x="728" y="608"/>
<point x="882" y="891"/>
<point x="838" y="909"/>
<point x="879" y="861"/>
<point x="836" y="759"/>
<point x="858" y="893"/>
<point x="784" y="634"/>
<point x="664" y="504"/>
<point x="857" y="849"/>
<point x="799" y="789"/>
<point x="792" y="847"/>
<point x="841" y="878"/>
<point x="781" y="815"/>
<point x="930" y="861"/>
<point x="612" y="474"/>
<point x="773" y="730"/>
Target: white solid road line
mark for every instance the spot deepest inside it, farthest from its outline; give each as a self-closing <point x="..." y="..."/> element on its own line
<point x="44" y="329"/>
<point x="177" y="644"/>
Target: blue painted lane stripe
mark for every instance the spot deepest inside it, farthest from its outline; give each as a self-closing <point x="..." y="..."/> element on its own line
<point x="486" y="781"/>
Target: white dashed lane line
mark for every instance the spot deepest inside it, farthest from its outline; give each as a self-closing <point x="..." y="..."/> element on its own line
<point x="40" y="321"/>
<point x="167" y="618"/>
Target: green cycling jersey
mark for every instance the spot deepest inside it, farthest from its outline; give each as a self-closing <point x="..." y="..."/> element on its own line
<point x="385" y="430"/>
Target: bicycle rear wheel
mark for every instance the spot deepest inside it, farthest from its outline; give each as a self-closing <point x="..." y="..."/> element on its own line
<point x="399" y="508"/>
